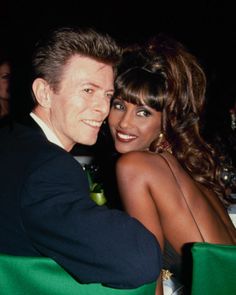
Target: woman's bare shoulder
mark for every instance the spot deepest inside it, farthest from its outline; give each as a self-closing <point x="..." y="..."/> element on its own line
<point x="135" y="158"/>
<point x="146" y="161"/>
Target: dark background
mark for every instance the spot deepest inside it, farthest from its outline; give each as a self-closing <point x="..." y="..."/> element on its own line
<point x="206" y="28"/>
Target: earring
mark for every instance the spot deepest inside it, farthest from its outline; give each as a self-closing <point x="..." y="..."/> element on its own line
<point x="160" y="139"/>
<point x="161" y="145"/>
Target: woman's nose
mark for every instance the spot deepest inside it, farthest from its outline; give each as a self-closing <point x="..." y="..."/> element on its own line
<point x="125" y="121"/>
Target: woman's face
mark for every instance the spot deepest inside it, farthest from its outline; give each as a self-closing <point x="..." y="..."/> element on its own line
<point x="5" y="72"/>
<point x="133" y="127"/>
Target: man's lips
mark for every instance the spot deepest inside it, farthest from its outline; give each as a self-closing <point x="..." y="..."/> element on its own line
<point x="93" y="123"/>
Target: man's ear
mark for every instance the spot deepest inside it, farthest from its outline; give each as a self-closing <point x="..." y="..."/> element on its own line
<point x="41" y="91"/>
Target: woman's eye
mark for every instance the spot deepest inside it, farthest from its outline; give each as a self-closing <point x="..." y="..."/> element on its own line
<point x="143" y="113"/>
<point x="117" y="105"/>
<point x="6" y="77"/>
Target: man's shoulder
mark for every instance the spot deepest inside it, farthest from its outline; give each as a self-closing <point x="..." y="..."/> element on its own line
<point x="27" y="140"/>
<point x="20" y="134"/>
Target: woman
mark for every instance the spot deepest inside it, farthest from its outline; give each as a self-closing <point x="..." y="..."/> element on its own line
<point x="5" y="72"/>
<point x="169" y="177"/>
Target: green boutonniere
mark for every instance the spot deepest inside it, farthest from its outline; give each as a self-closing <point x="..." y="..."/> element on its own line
<point x="96" y="190"/>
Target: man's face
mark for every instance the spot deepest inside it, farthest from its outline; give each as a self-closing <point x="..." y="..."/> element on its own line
<point x="82" y="103"/>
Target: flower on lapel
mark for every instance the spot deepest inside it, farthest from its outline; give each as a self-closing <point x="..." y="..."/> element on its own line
<point x="96" y="189"/>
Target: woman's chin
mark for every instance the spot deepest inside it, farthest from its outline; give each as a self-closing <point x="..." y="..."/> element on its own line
<point x="123" y="150"/>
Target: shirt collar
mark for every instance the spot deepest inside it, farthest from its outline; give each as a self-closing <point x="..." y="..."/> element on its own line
<point x="51" y="136"/>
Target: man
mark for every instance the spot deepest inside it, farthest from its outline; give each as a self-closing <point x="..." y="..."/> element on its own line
<point x="45" y="209"/>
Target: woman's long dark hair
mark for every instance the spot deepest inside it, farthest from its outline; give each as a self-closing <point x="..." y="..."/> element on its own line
<point x="165" y="76"/>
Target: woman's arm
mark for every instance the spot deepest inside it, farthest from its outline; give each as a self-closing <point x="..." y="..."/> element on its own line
<point x="132" y="175"/>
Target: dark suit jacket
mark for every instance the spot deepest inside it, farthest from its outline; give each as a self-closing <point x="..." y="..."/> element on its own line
<point x="45" y="210"/>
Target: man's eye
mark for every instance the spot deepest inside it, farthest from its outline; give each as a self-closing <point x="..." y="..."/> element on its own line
<point x="88" y="90"/>
<point x="109" y="95"/>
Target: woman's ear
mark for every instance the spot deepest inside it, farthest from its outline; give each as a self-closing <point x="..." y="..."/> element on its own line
<point x="41" y="91"/>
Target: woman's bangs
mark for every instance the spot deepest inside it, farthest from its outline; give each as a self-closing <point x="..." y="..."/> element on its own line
<point x="140" y="87"/>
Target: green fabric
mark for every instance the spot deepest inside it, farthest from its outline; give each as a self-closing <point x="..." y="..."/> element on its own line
<point x="214" y="269"/>
<point x="39" y="275"/>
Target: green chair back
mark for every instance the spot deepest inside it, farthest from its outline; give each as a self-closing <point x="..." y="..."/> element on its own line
<point x="39" y="275"/>
<point x="214" y="269"/>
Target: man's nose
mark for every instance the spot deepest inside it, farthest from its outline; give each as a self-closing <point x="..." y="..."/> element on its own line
<point x="102" y="104"/>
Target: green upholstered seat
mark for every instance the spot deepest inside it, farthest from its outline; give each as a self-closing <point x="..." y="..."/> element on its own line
<point x="214" y="269"/>
<point x="43" y="276"/>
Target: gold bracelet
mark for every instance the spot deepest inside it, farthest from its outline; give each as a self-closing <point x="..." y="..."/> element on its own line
<point x="166" y="274"/>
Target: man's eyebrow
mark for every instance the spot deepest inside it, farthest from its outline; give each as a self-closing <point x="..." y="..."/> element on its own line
<point x="95" y="85"/>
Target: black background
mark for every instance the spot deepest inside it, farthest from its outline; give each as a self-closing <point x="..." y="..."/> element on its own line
<point x="207" y="28"/>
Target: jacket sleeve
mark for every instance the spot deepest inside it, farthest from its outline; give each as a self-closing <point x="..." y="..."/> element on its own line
<point x="93" y="243"/>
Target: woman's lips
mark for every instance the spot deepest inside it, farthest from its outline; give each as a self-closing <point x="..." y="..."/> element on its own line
<point x="125" y="137"/>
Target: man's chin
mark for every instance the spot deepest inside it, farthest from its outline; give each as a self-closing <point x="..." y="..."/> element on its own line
<point x="89" y="142"/>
